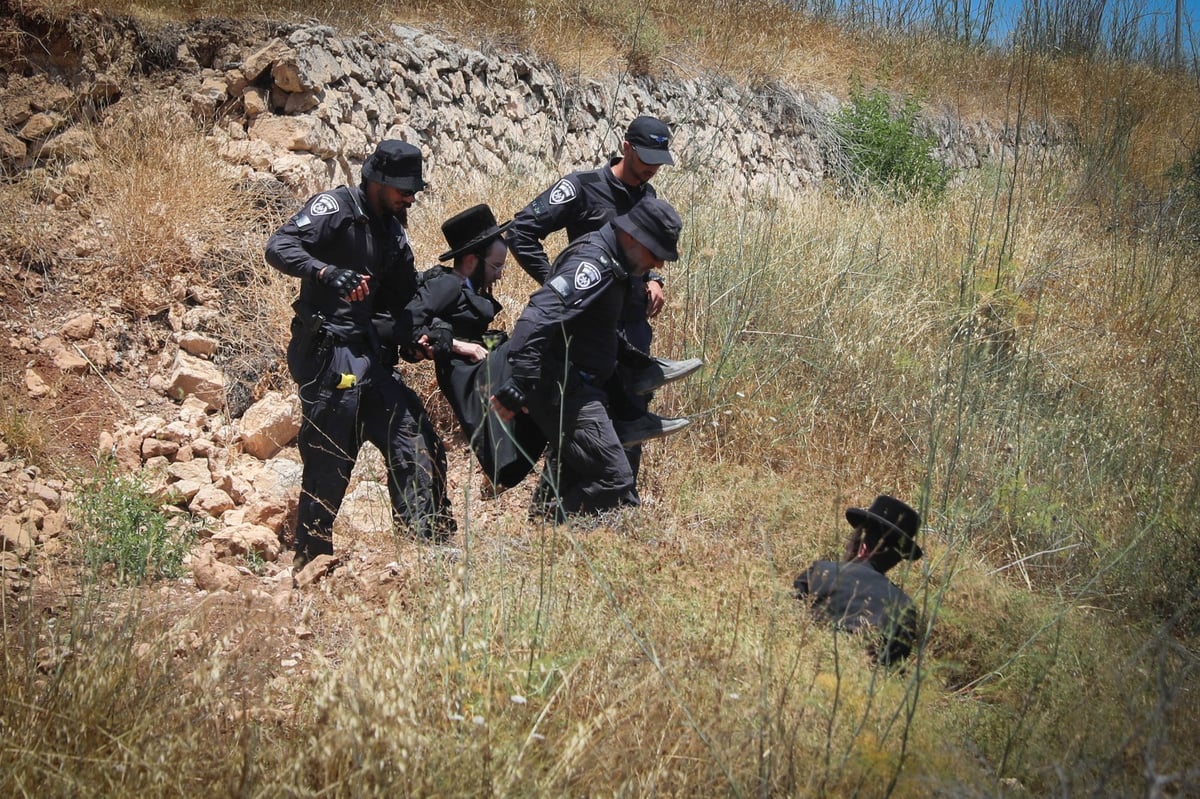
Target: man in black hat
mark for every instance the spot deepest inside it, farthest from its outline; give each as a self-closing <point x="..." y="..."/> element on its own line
<point x="854" y="595"/>
<point x="583" y="202"/>
<point x="350" y="249"/>
<point x="459" y="296"/>
<point x="565" y="346"/>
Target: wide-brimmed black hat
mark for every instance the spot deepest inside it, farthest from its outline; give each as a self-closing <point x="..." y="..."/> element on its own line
<point x="470" y="229"/>
<point x="655" y="225"/>
<point x="650" y="137"/>
<point x="395" y="163"/>
<point x="894" y="520"/>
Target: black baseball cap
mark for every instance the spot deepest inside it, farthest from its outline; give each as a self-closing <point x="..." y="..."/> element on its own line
<point x="650" y="137"/>
<point x="395" y="163"/>
<point x="655" y="225"/>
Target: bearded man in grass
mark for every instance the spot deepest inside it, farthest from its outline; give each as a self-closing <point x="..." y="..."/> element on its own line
<point x="854" y="595"/>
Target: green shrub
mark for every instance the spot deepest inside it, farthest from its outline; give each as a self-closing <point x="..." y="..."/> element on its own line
<point x="120" y="524"/>
<point x="886" y="150"/>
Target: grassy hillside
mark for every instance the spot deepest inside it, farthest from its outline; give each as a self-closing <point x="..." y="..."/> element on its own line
<point x="1017" y="358"/>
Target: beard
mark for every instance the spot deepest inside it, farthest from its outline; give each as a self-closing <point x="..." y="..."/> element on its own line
<point x="402" y="216"/>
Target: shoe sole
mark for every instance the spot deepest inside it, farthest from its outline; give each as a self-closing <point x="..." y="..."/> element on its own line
<point x="650" y="436"/>
<point x="646" y="386"/>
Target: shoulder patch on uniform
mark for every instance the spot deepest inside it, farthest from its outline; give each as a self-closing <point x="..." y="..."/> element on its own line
<point x="302" y="220"/>
<point x="560" y="286"/>
<point x="562" y="193"/>
<point x="586" y="276"/>
<point x="324" y="205"/>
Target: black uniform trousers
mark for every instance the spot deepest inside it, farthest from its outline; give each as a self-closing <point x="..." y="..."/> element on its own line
<point x="587" y="470"/>
<point x="391" y="416"/>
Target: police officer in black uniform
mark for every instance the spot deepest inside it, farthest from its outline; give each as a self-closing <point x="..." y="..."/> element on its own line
<point x="565" y="346"/>
<point x="855" y="595"/>
<point x="583" y="202"/>
<point x="350" y="249"/>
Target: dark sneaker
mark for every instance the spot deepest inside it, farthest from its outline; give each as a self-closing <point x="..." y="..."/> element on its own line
<point x="659" y="373"/>
<point x="646" y="427"/>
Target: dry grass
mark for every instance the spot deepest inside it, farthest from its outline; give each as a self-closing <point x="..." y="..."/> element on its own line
<point x="565" y="662"/>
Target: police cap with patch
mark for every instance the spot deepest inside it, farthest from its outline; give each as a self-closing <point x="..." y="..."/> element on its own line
<point x="655" y="225"/>
<point x="395" y="163"/>
<point x="650" y="137"/>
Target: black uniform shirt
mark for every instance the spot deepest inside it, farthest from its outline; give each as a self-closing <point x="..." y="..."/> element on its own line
<point x="336" y="228"/>
<point x="572" y="319"/>
<point x="581" y="202"/>
<point x="856" y="597"/>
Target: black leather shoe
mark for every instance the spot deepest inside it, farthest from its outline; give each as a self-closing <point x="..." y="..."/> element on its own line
<point x="659" y="373"/>
<point x="647" y="426"/>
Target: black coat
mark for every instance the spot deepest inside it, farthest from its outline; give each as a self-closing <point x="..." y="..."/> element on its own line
<point x="335" y="228"/>
<point x="443" y="296"/>
<point x="580" y="203"/>
<point x="857" y="598"/>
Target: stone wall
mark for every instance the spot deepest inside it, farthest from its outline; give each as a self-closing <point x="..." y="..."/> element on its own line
<point x="308" y="106"/>
<point x="305" y="105"/>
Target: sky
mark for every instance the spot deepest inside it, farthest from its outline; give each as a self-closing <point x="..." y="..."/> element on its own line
<point x="1159" y="12"/>
<point x="1156" y="14"/>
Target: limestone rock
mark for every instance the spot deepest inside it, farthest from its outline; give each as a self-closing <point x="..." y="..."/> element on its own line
<point x="35" y="385"/>
<point x="157" y="448"/>
<point x="269" y="425"/>
<point x="315" y="569"/>
<point x="261" y="60"/>
<point x="53" y="525"/>
<point x="198" y="378"/>
<point x="79" y="327"/>
<point x="12" y="149"/>
<point x="15" y="537"/>
<point x="196" y="470"/>
<point x="211" y="501"/>
<point x="243" y="539"/>
<point x="209" y="96"/>
<point x="276" y="495"/>
<point x="295" y="133"/>
<point x="211" y="574"/>
<point x="199" y="345"/>
<point x="41" y="125"/>
<point x="70" y="144"/>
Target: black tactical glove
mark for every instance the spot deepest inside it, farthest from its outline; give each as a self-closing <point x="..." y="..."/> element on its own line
<point x="342" y="281"/>
<point x="512" y="396"/>
<point x="441" y="339"/>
